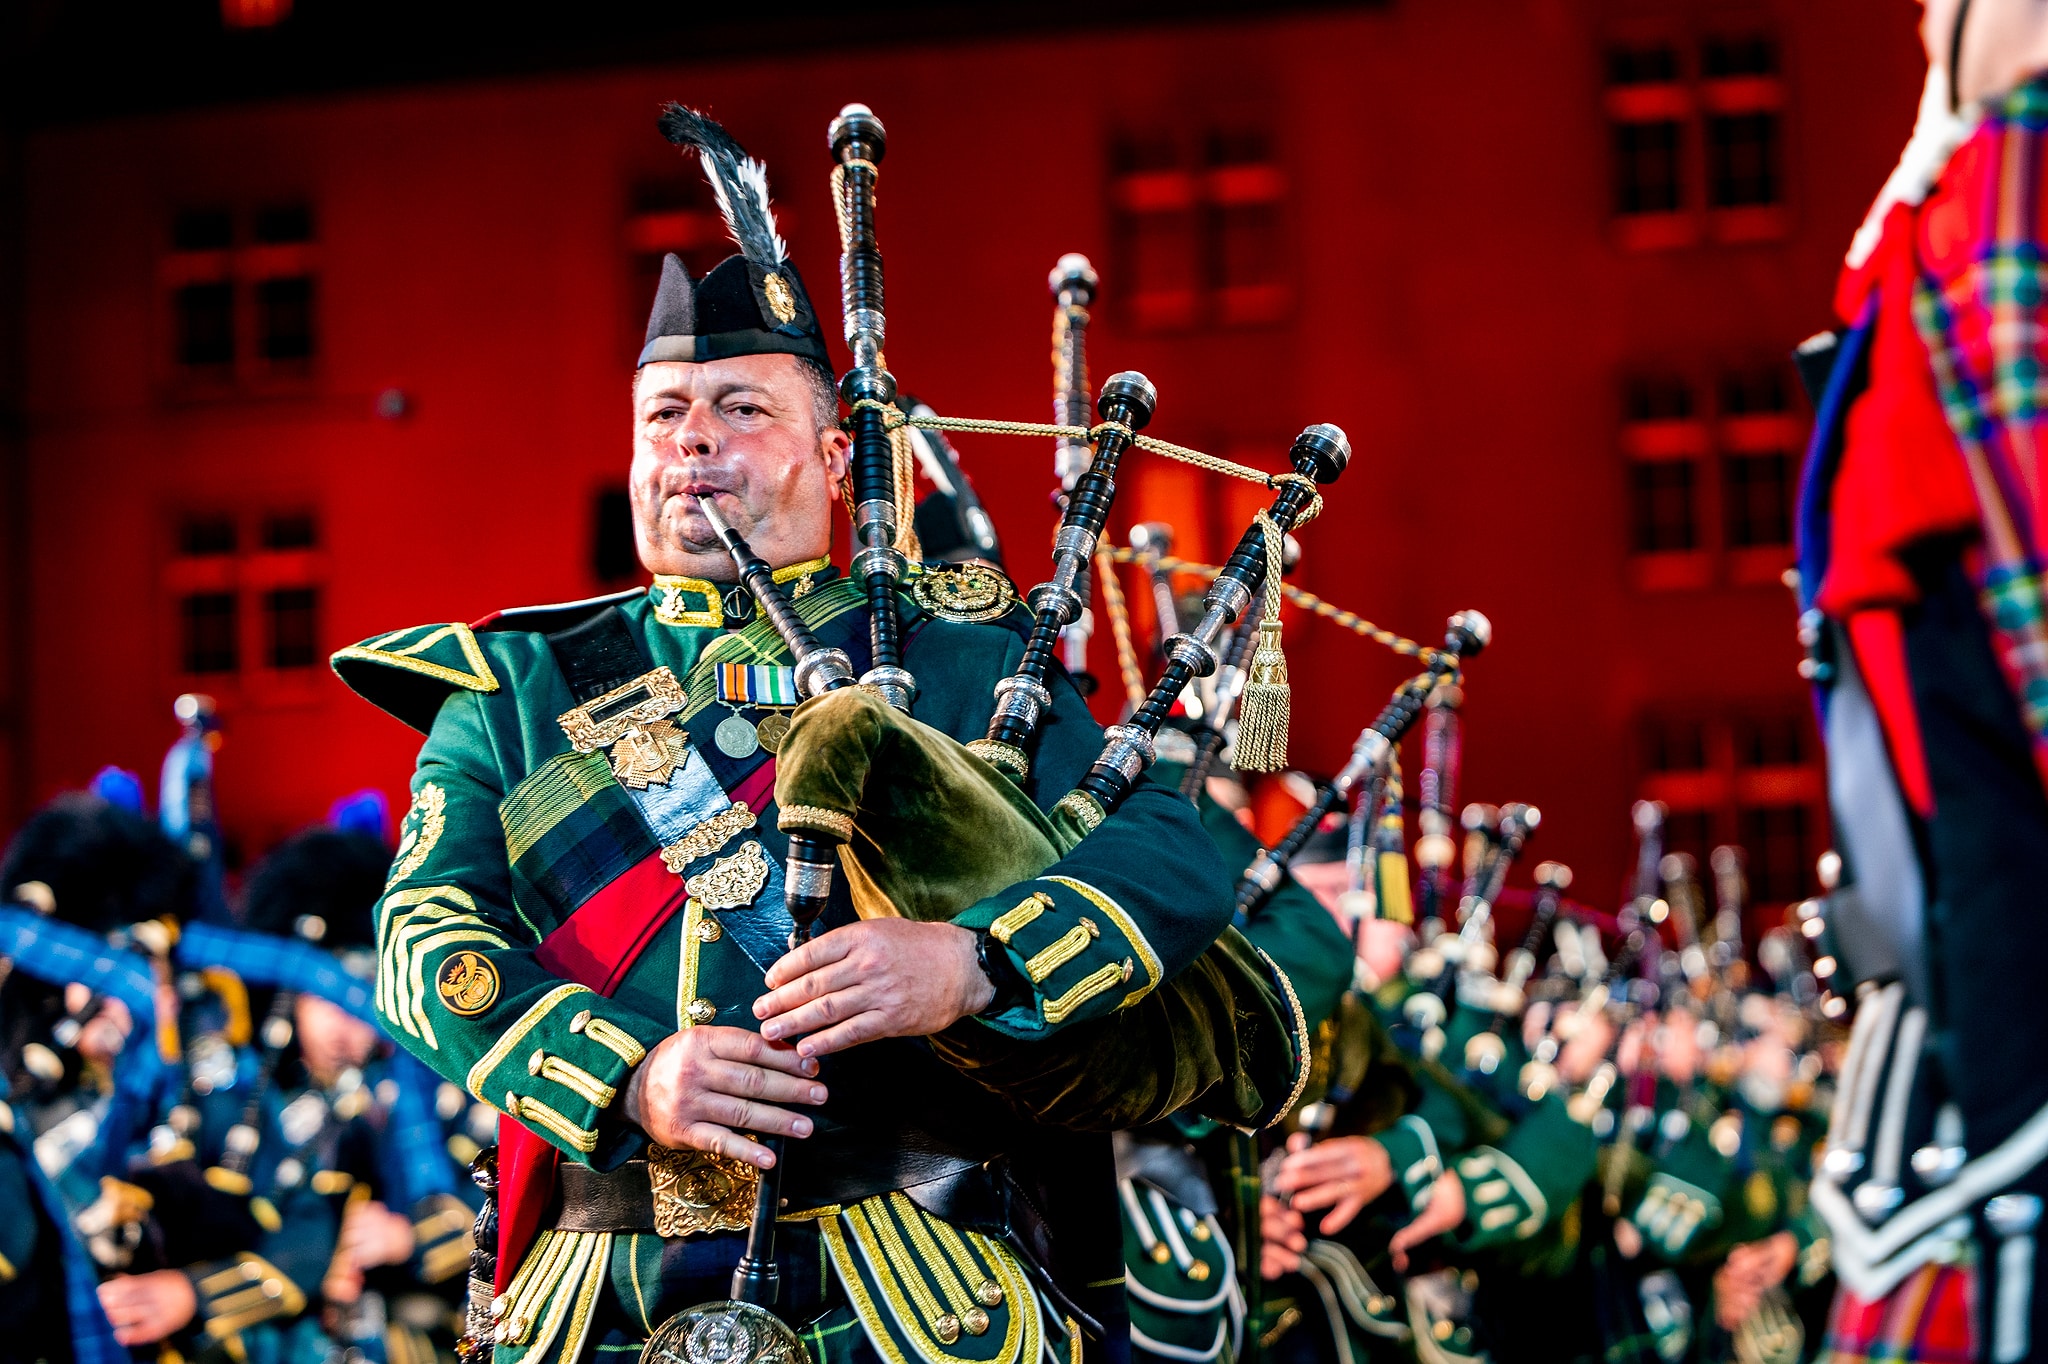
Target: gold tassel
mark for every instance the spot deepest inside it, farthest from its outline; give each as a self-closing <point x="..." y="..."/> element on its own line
<point x="1263" y="710"/>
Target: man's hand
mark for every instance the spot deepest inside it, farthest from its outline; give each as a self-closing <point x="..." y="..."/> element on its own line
<point x="1281" y="1240"/>
<point x="701" y="1087"/>
<point x="1342" y="1174"/>
<point x="373" y="1235"/>
<point x="103" y="1035"/>
<point x="1751" y="1271"/>
<point x="1445" y="1211"/>
<point x="144" y="1308"/>
<point x="877" y="978"/>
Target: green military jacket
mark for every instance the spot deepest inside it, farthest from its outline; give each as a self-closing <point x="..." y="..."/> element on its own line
<point x="513" y="829"/>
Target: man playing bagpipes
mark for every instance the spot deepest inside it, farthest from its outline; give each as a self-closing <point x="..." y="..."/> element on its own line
<point x="590" y="924"/>
<point x="1921" y="556"/>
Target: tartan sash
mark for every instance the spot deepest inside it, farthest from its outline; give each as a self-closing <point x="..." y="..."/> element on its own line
<point x="1984" y="334"/>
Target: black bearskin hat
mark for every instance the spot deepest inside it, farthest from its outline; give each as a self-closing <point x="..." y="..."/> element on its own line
<point x="106" y="867"/>
<point x="320" y="885"/>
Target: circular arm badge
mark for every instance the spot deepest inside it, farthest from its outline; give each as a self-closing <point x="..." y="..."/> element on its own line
<point x="468" y="984"/>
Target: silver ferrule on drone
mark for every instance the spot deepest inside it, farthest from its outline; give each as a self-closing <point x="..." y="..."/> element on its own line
<point x="1022" y="697"/>
<point x="1072" y="549"/>
<point x="809" y="880"/>
<point x="1370" y="757"/>
<point x="1264" y="872"/>
<point x="879" y="559"/>
<point x="866" y="331"/>
<point x="819" y="671"/>
<point x="896" y="685"/>
<point x="1128" y="750"/>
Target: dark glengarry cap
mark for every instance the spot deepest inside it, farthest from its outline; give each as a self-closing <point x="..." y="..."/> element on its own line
<point x="753" y="303"/>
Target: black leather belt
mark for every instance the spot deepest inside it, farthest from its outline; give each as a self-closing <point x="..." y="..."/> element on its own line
<point x="624" y="1199"/>
<point x="604" y="1200"/>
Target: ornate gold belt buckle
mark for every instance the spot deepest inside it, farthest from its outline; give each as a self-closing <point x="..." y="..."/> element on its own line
<point x="632" y="721"/>
<point x="697" y="1191"/>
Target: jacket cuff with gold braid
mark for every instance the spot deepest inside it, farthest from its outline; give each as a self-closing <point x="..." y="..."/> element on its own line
<point x="237" y="1294"/>
<point x="561" y="1068"/>
<point x="1078" y="952"/>
<point x="441" y="1237"/>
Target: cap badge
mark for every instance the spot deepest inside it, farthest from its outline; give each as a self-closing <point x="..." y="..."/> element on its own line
<point x="781" y="301"/>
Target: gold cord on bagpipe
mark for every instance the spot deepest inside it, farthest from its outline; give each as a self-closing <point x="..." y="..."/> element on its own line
<point x="1120" y="628"/>
<point x="1215" y="464"/>
<point x="1307" y="601"/>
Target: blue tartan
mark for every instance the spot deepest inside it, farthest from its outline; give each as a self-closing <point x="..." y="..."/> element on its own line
<point x="64" y="954"/>
<point x="261" y="959"/>
<point x="415" y="1158"/>
<point x="92" y="1335"/>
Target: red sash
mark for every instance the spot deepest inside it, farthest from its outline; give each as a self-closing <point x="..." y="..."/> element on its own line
<point x="595" y="946"/>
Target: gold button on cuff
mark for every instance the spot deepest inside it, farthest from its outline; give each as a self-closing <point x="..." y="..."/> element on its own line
<point x="946" y="1327"/>
<point x="990" y="1293"/>
<point x="702" y="1010"/>
<point x="709" y="931"/>
<point x="580" y="1021"/>
<point x="535" y="1062"/>
<point x="1198" y="1271"/>
<point x="975" y="1320"/>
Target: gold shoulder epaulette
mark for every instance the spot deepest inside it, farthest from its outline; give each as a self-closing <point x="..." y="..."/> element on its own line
<point x="410" y="672"/>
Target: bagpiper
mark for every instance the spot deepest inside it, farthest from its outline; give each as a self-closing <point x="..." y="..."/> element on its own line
<point x="589" y="920"/>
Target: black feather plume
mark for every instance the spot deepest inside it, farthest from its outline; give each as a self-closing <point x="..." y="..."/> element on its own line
<point x="740" y="182"/>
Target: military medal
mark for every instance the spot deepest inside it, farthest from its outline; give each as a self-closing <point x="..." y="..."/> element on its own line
<point x="736" y="736"/>
<point x="745" y="684"/>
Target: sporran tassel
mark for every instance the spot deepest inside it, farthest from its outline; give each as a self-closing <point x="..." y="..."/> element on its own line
<point x="1263" y="710"/>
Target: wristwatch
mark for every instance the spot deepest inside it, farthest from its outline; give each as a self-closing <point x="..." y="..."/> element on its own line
<point x="994" y="959"/>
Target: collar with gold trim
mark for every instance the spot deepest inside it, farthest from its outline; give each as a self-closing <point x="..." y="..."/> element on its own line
<point x="679" y="600"/>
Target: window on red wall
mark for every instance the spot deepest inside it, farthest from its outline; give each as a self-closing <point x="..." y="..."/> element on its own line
<point x="1697" y="133"/>
<point x="1198" y="228"/>
<point x="246" y="589"/>
<point x="241" y="291"/>
<point x="1711" y="484"/>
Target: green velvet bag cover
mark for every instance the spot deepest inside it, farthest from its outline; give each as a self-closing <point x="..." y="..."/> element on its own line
<point x="940" y="830"/>
<point x="934" y="830"/>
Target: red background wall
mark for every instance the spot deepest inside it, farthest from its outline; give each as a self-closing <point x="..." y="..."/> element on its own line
<point x="1464" y="310"/>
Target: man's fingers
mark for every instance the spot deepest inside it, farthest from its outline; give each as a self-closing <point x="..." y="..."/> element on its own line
<point x="727" y="1110"/>
<point x="737" y="1044"/>
<point x="822" y="950"/>
<point x="706" y="1136"/>
<point x="863" y="1027"/>
<point x="818" y="1014"/>
<point x="805" y="988"/>
<point x="1341" y="1216"/>
<point x="1314" y="1166"/>
<point x="758" y="1082"/>
<point x="1320" y="1195"/>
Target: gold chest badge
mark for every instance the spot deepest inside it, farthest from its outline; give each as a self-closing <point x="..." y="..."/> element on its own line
<point x="468" y="984"/>
<point x="964" y="592"/>
<point x="632" y="721"/>
<point x="731" y="882"/>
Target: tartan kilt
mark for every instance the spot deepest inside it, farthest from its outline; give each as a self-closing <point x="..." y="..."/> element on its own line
<point x="1928" y="1319"/>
